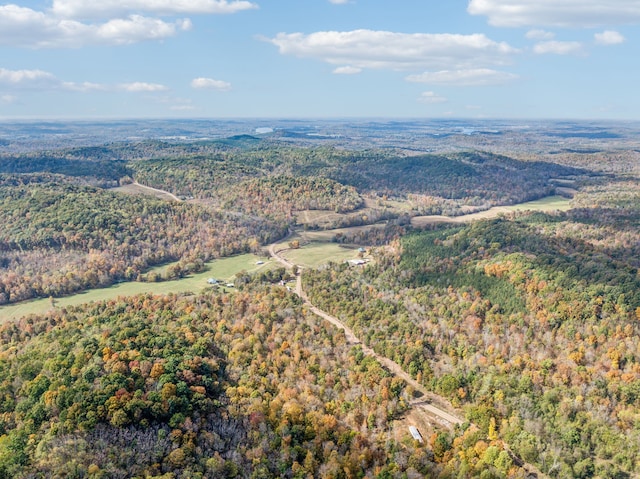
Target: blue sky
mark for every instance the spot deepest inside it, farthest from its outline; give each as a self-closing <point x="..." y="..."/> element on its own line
<point x="320" y="58"/>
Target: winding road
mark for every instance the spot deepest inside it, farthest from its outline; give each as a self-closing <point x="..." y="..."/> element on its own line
<point x="423" y="405"/>
<point x="449" y="418"/>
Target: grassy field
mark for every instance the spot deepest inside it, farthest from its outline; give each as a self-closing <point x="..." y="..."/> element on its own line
<point x="134" y="189"/>
<point x="550" y="203"/>
<point x="222" y="269"/>
<point x="314" y="254"/>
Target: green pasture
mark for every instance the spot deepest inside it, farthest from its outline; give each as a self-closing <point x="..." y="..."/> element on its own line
<point x="222" y="269"/>
<point x="314" y="254"/>
<point x="548" y="203"/>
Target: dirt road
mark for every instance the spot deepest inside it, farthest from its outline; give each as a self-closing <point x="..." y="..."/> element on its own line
<point x="424" y="406"/>
<point x="423" y="403"/>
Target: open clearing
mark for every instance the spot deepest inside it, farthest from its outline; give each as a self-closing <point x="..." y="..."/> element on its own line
<point x="550" y="203"/>
<point x="138" y="189"/>
<point x="223" y="269"/>
<point x="321" y="218"/>
<point x="314" y="254"/>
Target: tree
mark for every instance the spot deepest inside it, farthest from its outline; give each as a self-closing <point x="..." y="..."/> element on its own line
<point x="295" y="244"/>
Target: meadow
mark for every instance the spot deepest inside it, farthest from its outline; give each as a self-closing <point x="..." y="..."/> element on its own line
<point x="223" y="270"/>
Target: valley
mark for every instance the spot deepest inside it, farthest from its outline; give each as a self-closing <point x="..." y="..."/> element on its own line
<point x="488" y="297"/>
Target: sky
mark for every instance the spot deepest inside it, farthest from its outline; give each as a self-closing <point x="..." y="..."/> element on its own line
<point x="107" y="59"/>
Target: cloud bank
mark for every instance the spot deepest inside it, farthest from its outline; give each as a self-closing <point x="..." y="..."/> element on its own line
<point x="23" y="27"/>
<point x="369" y="49"/>
<point x="78" y="23"/>
<point x="42" y="80"/>
<point x="557" y="13"/>
<point x="110" y="8"/>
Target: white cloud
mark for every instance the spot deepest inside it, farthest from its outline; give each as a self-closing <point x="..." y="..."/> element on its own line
<point x="339" y="2"/>
<point x="42" y="80"/>
<point x="558" y="48"/>
<point x="111" y="8"/>
<point x="23" y="27"/>
<point x="609" y="37"/>
<point x="20" y="76"/>
<point x="431" y="97"/>
<point x="136" y="29"/>
<point x="558" y="13"/>
<point x="347" y="70"/>
<point x="8" y="99"/>
<point x="210" y="84"/>
<point x="539" y="35"/>
<point x="398" y="51"/>
<point x="28" y="79"/>
<point x="83" y="87"/>
<point x="473" y="77"/>
<point x="138" y="87"/>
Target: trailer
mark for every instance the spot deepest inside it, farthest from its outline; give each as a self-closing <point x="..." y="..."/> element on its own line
<point x="416" y="434"/>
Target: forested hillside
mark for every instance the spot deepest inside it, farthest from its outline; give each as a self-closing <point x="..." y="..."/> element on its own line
<point x="104" y="172"/>
<point x="215" y="386"/>
<point x="529" y="324"/>
<point x="60" y="238"/>
<point x="63" y="235"/>
<point x="474" y="179"/>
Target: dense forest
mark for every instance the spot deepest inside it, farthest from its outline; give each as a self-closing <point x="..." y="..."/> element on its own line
<point x="216" y="386"/>
<point x="439" y="184"/>
<point x="530" y="324"/>
<point x="61" y="237"/>
<point x="211" y="169"/>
